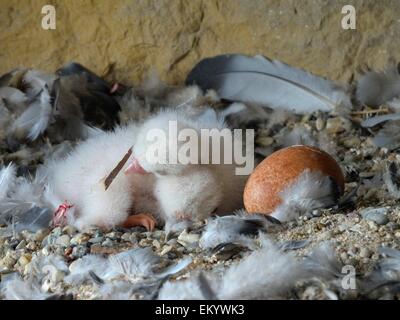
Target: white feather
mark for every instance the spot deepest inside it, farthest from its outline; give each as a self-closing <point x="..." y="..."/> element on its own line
<point x="34" y="120"/>
<point x="267" y="82"/>
<point x="26" y="205"/>
<point x="187" y="289"/>
<point x="36" y="81"/>
<point x="135" y="263"/>
<point x="79" y="269"/>
<point x="16" y="288"/>
<point x="240" y="228"/>
<point x="322" y="262"/>
<point x="311" y="190"/>
<point x="297" y="135"/>
<point x="266" y="273"/>
<point x="7" y="180"/>
<point x="13" y="96"/>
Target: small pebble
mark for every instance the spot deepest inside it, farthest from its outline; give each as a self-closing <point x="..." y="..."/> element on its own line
<point x="63" y="241"/>
<point x="31" y="245"/>
<point x="40" y="235"/>
<point x="126" y="236"/>
<point x="189" y="238"/>
<point x="364" y="252"/>
<point x="107" y="243"/>
<point x="166" y="249"/>
<point x="113" y="235"/>
<point x="9" y="260"/>
<point x="319" y="124"/>
<point x="172" y="242"/>
<point x="57" y="231"/>
<point x="70" y="230"/>
<point x="372" y="225"/>
<point x="159" y="235"/>
<point x="156" y="244"/>
<point x="337" y="125"/>
<point x="21" y="245"/>
<point x="80" y="238"/>
<point x="343" y="256"/>
<point x="96" y="240"/>
<point x="377" y="215"/>
<point x="24" y="259"/>
<point x="79" y="251"/>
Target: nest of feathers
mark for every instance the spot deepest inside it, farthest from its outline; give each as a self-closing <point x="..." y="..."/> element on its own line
<point x="237" y="256"/>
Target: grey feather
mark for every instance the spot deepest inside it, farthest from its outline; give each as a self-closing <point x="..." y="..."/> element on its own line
<point x="134" y="263"/>
<point x="373" y="121"/>
<point x="239" y="228"/>
<point x="34" y="120"/>
<point x="376" y="88"/>
<point x="311" y="190"/>
<point x="391" y="177"/>
<point x="267" y="82"/>
<point x="34" y="219"/>
<point x="388" y="136"/>
<point x="322" y="262"/>
<point x="15" y="288"/>
<point x="14" y="98"/>
<point x="386" y="274"/>
<point x="7" y="180"/>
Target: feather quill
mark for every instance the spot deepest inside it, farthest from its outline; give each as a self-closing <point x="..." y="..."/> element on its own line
<point x="267" y="82"/>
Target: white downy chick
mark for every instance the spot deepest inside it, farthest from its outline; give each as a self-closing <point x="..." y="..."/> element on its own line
<point x="171" y="192"/>
<point x="79" y="180"/>
<point x="188" y="191"/>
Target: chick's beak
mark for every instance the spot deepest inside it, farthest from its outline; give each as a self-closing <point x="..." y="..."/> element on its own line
<point x="135" y="167"/>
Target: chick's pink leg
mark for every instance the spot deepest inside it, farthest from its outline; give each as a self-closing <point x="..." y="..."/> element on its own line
<point x="60" y="216"/>
<point x="142" y="220"/>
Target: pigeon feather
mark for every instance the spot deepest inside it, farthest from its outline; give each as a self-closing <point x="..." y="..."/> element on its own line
<point x="311" y="190"/>
<point x="34" y="120"/>
<point x="267" y="82"/>
<point x="237" y="228"/>
<point x="7" y="180"/>
<point x="375" y="88"/>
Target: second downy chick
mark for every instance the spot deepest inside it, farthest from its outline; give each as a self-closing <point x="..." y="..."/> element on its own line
<point x="175" y="194"/>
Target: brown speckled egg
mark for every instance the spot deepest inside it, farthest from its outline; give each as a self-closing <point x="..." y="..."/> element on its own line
<point x="280" y="169"/>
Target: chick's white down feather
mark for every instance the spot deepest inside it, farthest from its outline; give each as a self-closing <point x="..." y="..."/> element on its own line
<point x="79" y="179"/>
<point x="171" y="192"/>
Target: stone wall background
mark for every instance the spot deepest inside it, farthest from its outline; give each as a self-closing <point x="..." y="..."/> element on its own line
<point x="170" y="36"/>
